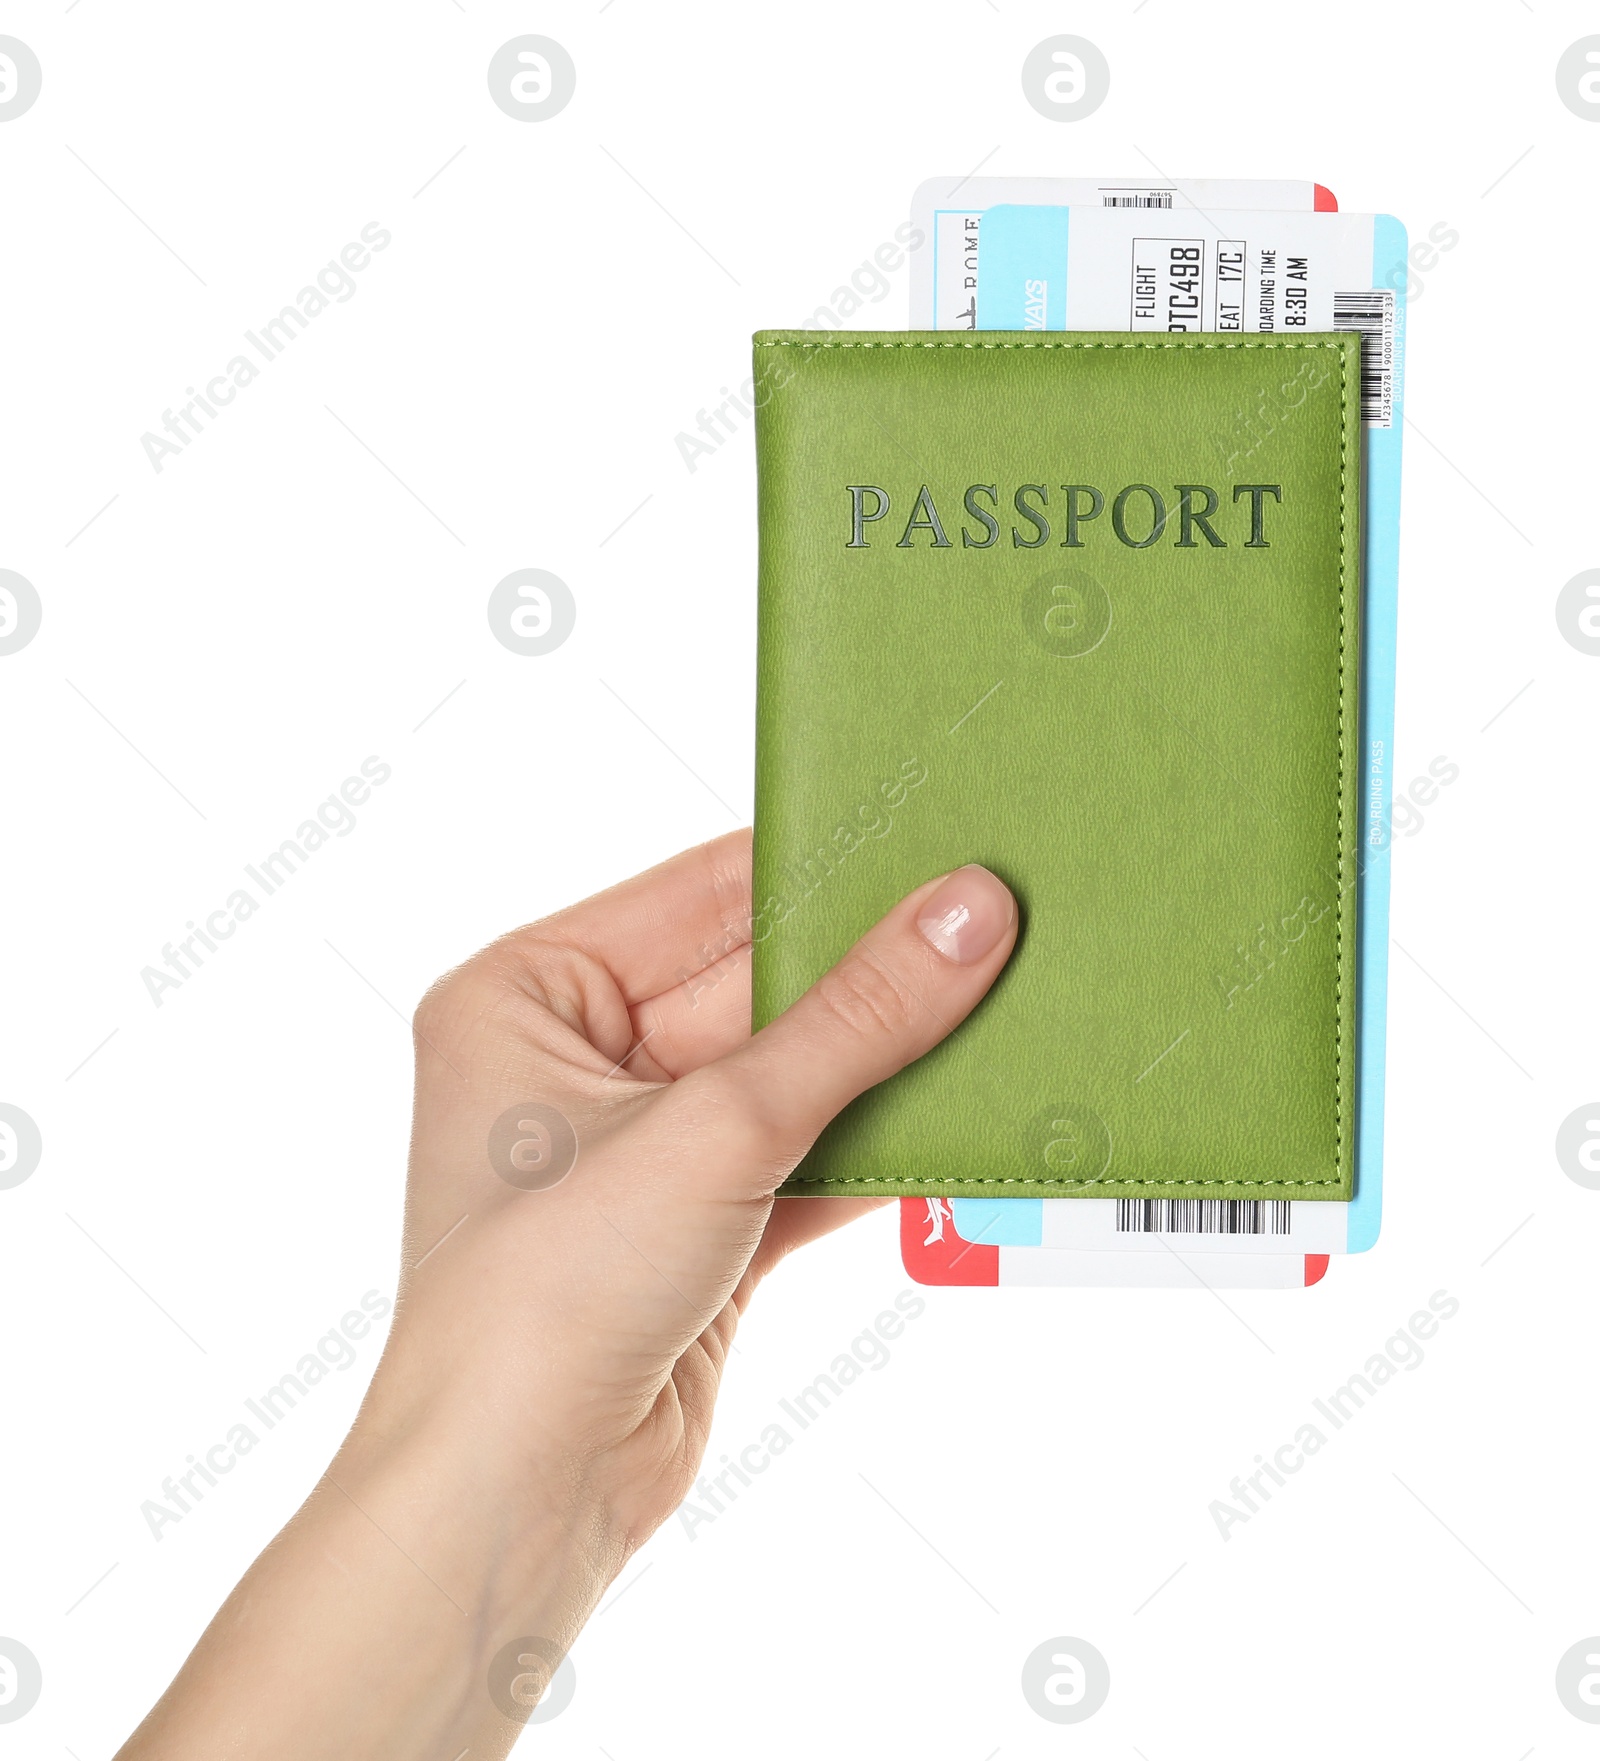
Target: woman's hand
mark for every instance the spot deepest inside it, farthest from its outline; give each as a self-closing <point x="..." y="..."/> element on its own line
<point x="596" y="1146"/>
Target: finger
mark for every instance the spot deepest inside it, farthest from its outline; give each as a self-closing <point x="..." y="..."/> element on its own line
<point x="797" y="1221"/>
<point x="664" y="925"/>
<point x="699" y="1020"/>
<point x="896" y="994"/>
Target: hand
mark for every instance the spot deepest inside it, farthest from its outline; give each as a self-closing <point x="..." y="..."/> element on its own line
<point x="547" y="1389"/>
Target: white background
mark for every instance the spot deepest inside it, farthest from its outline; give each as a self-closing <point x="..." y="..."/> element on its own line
<point x="221" y="1179"/>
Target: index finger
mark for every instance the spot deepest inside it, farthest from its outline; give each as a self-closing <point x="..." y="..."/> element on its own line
<point x="664" y="925"/>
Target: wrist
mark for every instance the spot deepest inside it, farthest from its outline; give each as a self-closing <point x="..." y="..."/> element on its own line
<point x="512" y="1533"/>
<point x="402" y="1603"/>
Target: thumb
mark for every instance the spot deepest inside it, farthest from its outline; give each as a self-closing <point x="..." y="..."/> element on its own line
<point x="900" y="990"/>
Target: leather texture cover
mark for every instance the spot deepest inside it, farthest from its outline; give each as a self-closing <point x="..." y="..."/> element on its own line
<point x="1083" y="608"/>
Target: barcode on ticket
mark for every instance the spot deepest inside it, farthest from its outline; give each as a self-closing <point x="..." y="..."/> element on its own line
<point x="1370" y="312"/>
<point x="1202" y="1216"/>
<point x="1136" y="199"/>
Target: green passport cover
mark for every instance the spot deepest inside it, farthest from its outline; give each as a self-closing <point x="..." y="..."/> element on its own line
<point x="1029" y="601"/>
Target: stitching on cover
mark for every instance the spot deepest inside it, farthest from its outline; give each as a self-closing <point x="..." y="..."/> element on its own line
<point x="1286" y="342"/>
<point x="1031" y="1180"/>
<point x="1338" y="799"/>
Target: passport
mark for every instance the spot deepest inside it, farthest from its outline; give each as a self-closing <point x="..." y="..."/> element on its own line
<point x="1021" y="603"/>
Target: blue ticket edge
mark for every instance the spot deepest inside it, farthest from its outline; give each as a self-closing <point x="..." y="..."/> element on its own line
<point x="1019" y="244"/>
